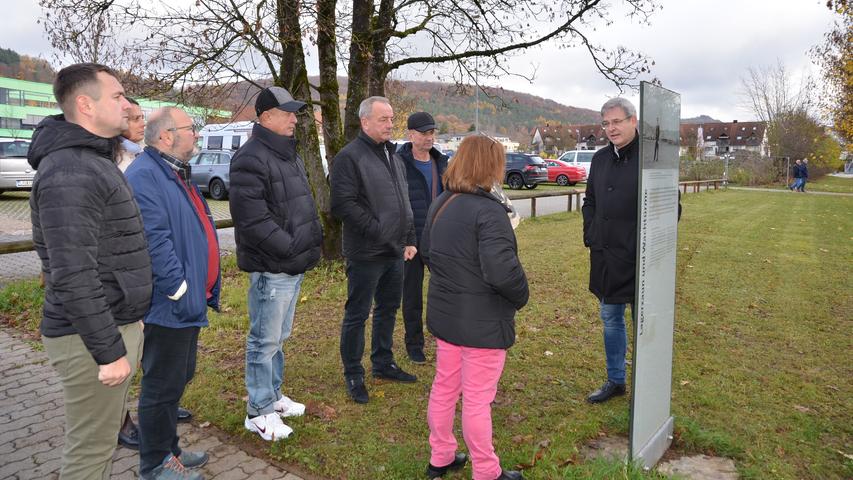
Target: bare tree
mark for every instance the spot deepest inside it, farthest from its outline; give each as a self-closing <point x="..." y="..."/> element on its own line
<point x="769" y="92"/>
<point x="203" y="48"/>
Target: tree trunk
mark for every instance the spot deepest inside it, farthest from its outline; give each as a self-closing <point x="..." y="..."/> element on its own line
<point x="294" y="77"/>
<point x="330" y="109"/>
<point x="379" y="41"/>
<point x="359" y="64"/>
<point x="329" y="104"/>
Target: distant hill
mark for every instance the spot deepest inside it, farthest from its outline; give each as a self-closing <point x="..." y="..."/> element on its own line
<point x="700" y="119"/>
<point x="502" y="112"/>
<point x="24" y="67"/>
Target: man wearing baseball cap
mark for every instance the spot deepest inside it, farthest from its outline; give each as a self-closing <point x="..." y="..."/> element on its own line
<point x="278" y="237"/>
<point x="424" y="168"/>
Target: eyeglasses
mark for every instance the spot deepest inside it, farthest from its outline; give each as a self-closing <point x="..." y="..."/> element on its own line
<point x="615" y="122"/>
<point x="191" y="127"/>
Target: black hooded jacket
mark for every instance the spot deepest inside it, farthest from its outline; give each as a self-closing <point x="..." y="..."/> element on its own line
<point x="88" y="233"/>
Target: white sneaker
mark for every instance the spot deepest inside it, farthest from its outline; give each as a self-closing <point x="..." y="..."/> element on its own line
<point x="288" y="408"/>
<point x="269" y="427"/>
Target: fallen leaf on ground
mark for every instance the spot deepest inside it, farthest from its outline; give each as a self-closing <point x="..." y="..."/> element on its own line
<point x="802" y="409"/>
<point x="204" y="425"/>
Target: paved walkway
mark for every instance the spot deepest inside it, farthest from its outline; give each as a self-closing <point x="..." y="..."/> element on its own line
<point x="779" y="190"/>
<point x="32" y="423"/>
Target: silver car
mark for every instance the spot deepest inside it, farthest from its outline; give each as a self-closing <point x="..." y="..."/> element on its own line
<point x="210" y="172"/>
<point x="15" y="172"/>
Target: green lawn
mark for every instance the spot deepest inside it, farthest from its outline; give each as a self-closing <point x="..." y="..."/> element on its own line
<point x="831" y="184"/>
<point x="762" y="354"/>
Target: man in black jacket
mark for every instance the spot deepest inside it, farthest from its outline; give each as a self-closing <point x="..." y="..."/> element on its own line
<point x="89" y="236"/>
<point x="424" y="167"/>
<point x="610" y="232"/>
<point x="369" y="194"/>
<point x="278" y="237"/>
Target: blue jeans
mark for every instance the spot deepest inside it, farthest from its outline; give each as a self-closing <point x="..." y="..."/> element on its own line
<point x="368" y="281"/>
<point x="615" y="340"/>
<point x="272" y="303"/>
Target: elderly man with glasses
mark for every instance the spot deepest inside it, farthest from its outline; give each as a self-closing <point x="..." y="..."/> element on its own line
<point x="184" y="253"/>
<point x="610" y="232"/>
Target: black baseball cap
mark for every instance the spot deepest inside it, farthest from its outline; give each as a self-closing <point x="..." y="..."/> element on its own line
<point x="421" y="121"/>
<point x="277" y="97"/>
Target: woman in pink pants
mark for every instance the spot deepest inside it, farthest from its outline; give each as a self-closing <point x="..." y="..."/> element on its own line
<point x="476" y="286"/>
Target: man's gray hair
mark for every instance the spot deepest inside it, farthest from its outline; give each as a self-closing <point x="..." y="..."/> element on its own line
<point x="366" y="106"/>
<point x="622" y="103"/>
<point x="159" y="121"/>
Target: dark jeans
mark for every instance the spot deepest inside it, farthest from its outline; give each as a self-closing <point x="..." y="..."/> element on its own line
<point x="368" y="281"/>
<point x="168" y="364"/>
<point x="413" y="303"/>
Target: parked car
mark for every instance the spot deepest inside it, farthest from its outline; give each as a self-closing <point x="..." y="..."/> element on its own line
<point x="523" y="170"/>
<point x="15" y="172"/>
<point x="578" y="158"/>
<point x="210" y="171"/>
<point x="564" y="174"/>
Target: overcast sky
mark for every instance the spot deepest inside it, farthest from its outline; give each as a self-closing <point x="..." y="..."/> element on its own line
<point x="701" y="49"/>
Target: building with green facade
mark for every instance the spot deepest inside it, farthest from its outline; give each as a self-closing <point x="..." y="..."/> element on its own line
<point x="23" y="104"/>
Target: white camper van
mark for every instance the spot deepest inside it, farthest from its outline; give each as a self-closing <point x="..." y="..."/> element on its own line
<point x="225" y="136"/>
<point x="231" y="136"/>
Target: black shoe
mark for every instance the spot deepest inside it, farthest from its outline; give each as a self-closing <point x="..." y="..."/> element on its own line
<point x="184" y="415"/>
<point x="608" y="390"/>
<point x="395" y="373"/>
<point x="458" y="462"/>
<point x="357" y="391"/>
<point x="128" y="436"/>
<point x="417" y="356"/>
<point x="510" y="475"/>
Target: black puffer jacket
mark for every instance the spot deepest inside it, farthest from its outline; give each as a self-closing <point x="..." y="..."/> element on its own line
<point x="276" y="225"/>
<point x="370" y="196"/>
<point x="88" y="233"/>
<point x="420" y="196"/>
<point x="476" y="280"/>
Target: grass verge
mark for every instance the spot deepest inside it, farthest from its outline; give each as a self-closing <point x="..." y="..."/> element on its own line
<point x="762" y="351"/>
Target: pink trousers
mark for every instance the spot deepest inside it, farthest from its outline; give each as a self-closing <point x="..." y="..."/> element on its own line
<point x="473" y="372"/>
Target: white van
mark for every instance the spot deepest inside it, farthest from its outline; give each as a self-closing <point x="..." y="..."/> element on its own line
<point x="231" y="136"/>
<point x="225" y="136"/>
<point x="579" y="158"/>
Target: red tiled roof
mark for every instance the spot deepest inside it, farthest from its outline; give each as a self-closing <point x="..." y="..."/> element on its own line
<point x="737" y="133"/>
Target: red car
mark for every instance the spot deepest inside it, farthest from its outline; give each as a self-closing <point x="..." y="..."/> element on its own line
<point x="565" y="174"/>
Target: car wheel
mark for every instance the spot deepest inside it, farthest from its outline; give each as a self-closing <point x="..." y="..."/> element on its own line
<point x="217" y="189"/>
<point x="532" y="186"/>
<point x="563" y="180"/>
<point x="515" y="181"/>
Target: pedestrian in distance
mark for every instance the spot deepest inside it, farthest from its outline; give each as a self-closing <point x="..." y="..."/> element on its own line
<point x="476" y="286"/>
<point x="797" y="173"/>
<point x="88" y="233"/>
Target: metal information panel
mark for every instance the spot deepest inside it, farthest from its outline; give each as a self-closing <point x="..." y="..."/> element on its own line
<point x="657" y="221"/>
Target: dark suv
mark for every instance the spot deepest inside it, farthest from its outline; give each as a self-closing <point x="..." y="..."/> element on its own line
<point x="523" y="170"/>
